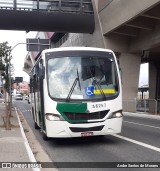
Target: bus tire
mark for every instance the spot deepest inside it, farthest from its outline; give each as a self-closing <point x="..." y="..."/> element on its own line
<point x="45" y="138"/>
<point x="36" y="125"/>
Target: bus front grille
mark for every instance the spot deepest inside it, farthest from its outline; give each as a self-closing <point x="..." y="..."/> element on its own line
<point x="86" y="116"/>
<point x="96" y="128"/>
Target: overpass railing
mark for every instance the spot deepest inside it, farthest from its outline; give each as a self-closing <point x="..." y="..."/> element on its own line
<point x="147" y="105"/>
<point x="74" y="6"/>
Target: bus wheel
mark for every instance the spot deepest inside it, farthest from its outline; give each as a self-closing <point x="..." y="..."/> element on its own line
<point x="45" y="138"/>
<point x="36" y="126"/>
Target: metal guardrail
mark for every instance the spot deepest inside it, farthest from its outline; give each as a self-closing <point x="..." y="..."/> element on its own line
<point x="148" y="105"/>
<point x="77" y="6"/>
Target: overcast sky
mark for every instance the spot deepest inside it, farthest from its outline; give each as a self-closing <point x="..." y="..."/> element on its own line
<point x="143" y="79"/>
<point x="19" y="52"/>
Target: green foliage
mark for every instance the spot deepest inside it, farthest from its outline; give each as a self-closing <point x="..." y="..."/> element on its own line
<point x="5" y="58"/>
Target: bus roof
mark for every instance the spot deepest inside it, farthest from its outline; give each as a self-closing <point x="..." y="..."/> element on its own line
<point x="76" y="48"/>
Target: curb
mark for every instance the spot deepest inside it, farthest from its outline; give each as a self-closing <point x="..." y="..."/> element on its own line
<point x="142" y="115"/>
<point x="29" y="151"/>
<point x="37" y="150"/>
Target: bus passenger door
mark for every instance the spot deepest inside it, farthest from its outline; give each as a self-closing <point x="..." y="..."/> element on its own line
<point x="41" y="91"/>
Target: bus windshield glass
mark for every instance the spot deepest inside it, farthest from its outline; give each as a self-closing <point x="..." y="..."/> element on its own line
<point x="82" y="76"/>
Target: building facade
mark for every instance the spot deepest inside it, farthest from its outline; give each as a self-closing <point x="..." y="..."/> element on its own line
<point x="22" y="87"/>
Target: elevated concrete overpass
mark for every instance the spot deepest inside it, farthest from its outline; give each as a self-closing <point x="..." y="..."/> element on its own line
<point x="74" y="16"/>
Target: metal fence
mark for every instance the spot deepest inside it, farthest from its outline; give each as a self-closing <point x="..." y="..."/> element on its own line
<point x="149" y="105"/>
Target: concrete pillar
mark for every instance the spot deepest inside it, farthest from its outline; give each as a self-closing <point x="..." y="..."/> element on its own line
<point x="130" y="67"/>
<point x="158" y="89"/>
<point x="96" y="4"/>
<point x="152" y="80"/>
<point x="153" y="87"/>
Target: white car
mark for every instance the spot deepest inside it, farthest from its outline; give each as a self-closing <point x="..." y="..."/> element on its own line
<point x="19" y="97"/>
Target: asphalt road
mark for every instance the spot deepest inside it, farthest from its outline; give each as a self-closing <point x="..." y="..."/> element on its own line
<point x="138" y="142"/>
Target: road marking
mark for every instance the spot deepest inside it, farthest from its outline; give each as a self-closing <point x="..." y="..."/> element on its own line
<point x="26" y="143"/>
<point x="138" y="142"/>
<point x="142" y="124"/>
<point x="25" y="110"/>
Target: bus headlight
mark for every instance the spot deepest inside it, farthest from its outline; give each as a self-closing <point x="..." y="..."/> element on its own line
<point x="52" y="117"/>
<point x="117" y="114"/>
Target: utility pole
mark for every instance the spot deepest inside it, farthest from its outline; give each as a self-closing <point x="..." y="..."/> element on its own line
<point x="10" y="84"/>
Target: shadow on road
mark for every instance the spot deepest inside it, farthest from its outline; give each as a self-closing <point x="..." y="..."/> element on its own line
<point x="85" y="141"/>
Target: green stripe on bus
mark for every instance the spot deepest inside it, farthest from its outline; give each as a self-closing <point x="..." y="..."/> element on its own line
<point x="73" y="108"/>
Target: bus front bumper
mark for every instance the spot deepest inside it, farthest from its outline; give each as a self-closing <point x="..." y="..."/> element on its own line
<point x="62" y="129"/>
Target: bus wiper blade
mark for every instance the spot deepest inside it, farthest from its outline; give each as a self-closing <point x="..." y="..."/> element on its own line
<point x="78" y="80"/>
<point x="73" y="86"/>
<point x="100" y="88"/>
<point x="71" y="90"/>
<point x="98" y="85"/>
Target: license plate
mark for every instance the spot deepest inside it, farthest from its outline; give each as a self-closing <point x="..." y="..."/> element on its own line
<point x="86" y="134"/>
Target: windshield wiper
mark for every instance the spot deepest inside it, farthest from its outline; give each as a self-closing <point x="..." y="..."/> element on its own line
<point x="73" y="86"/>
<point x="98" y="85"/>
<point x="100" y="88"/>
<point x="78" y="80"/>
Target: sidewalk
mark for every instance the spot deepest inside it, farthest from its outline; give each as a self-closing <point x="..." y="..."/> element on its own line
<point x="14" y="146"/>
<point x="142" y="115"/>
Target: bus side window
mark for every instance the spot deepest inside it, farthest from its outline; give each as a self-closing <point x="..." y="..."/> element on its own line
<point x="31" y="85"/>
<point x="41" y="70"/>
<point x="120" y="70"/>
<point x="34" y="79"/>
<point x="37" y="78"/>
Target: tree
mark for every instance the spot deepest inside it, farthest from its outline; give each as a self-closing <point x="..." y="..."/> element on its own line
<point x="5" y="67"/>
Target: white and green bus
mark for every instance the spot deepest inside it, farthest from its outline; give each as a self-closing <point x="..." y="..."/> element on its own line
<point x="76" y="92"/>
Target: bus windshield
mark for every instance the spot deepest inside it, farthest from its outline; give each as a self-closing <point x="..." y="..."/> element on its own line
<point x="82" y="77"/>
